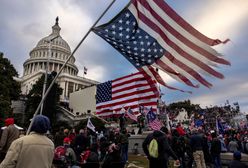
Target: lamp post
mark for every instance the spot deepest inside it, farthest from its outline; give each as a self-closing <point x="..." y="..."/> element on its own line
<point x="47" y="65"/>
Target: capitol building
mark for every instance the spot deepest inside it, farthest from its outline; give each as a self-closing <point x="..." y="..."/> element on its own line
<point x="51" y="52"/>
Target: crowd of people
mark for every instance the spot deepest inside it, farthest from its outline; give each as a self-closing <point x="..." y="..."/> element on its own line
<point x="109" y="148"/>
<point x="197" y="148"/>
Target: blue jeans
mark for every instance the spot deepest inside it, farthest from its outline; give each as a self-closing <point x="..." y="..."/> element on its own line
<point x="124" y="153"/>
<point x="216" y="161"/>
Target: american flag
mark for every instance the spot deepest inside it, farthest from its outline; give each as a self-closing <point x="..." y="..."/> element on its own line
<point x="130" y="91"/>
<point x="153" y="121"/>
<point x="151" y="35"/>
<point x="131" y="115"/>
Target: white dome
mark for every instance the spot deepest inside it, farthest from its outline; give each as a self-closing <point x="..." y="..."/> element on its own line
<point x="56" y="49"/>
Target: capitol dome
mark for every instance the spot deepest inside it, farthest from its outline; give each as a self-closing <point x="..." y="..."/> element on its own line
<point x="52" y="50"/>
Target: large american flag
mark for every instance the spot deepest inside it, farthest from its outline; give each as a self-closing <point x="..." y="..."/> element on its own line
<point x="151" y="35"/>
<point x="130" y="91"/>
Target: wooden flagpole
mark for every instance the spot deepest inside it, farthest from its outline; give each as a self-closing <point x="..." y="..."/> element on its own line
<point x="52" y="83"/>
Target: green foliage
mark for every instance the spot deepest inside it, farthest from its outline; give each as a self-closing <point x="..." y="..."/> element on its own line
<point x="50" y="103"/>
<point x="9" y="88"/>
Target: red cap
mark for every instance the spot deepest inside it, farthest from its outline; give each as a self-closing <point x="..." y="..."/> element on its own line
<point x="67" y="140"/>
<point x="9" y="121"/>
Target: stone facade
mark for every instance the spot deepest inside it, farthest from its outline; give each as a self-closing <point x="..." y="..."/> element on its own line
<point x="53" y="51"/>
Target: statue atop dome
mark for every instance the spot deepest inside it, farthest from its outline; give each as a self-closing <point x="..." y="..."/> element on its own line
<point x="57" y="21"/>
<point x="56" y="28"/>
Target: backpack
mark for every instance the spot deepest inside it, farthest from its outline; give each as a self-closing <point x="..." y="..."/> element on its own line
<point x="153" y="148"/>
<point x="59" y="153"/>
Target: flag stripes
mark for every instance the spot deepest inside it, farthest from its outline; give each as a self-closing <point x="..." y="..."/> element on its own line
<point x="129" y="91"/>
<point x="188" y="53"/>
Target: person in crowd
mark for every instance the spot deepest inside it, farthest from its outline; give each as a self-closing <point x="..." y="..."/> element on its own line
<point x="59" y="137"/>
<point x="245" y="145"/>
<point x="215" y="150"/>
<point x="124" y="145"/>
<point x="64" y="156"/>
<point x="81" y="142"/>
<point x="10" y="133"/>
<point x="178" y="145"/>
<point x="189" y="151"/>
<point x="122" y="121"/>
<point x="113" y="158"/>
<point x="164" y="150"/>
<point x="33" y="150"/>
<point x="236" y="163"/>
<point x="104" y="143"/>
<point x="90" y="157"/>
<point x="196" y="142"/>
<point x="233" y="145"/>
<point x="223" y="145"/>
<point x="207" y="138"/>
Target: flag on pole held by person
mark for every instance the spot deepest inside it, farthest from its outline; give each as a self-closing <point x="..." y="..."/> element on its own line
<point x="153" y="121"/>
<point x="151" y="35"/>
<point x="90" y="125"/>
<point x="129" y="91"/>
<point x="131" y="115"/>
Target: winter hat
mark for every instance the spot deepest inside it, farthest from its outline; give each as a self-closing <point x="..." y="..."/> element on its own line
<point x="67" y="140"/>
<point x="9" y="121"/>
<point x="41" y="124"/>
<point x="237" y="155"/>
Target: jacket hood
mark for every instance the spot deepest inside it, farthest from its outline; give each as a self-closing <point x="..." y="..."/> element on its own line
<point x="158" y="133"/>
<point x="9" y="121"/>
<point x="41" y="124"/>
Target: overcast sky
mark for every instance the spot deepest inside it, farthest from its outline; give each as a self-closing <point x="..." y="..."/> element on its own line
<point x="24" y="23"/>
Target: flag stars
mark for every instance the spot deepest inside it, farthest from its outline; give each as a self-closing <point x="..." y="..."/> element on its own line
<point x="113" y="26"/>
<point x="142" y="50"/>
<point x="142" y="43"/>
<point x="127" y="15"/>
<point x="120" y="28"/>
<point x="127" y="22"/>
<point x="120" y="21"/>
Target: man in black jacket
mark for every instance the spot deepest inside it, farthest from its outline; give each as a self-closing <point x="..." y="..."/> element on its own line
<point x="164" y="150"/>
<point x="215" y="150"/>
